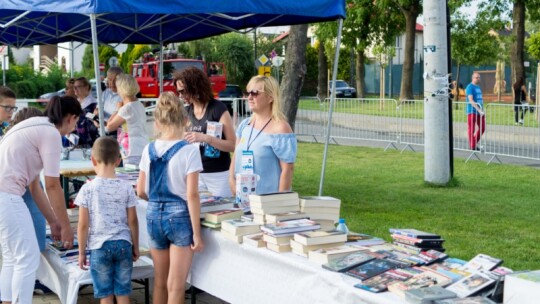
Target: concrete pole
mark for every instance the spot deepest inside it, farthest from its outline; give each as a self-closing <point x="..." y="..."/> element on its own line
<point x="436" y="117"/>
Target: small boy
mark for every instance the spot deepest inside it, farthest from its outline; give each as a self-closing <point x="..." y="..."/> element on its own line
<point x="108" y="225"/>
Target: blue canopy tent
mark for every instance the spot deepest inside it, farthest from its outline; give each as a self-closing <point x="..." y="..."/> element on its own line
<point x="30" y="22"/>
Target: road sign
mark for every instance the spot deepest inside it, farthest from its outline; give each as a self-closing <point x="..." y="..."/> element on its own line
<point x="113" y="61"/>
<point x="277" y="61"/>
<point x="265" y="70"/>
<point x="4" y="50"/>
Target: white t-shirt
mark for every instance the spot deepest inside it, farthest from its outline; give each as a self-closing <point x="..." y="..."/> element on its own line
<point x="134" y="115"/>
<point x="187" y="160"/>
<point x="107" y="200"/>
<point x="32" y="145"/>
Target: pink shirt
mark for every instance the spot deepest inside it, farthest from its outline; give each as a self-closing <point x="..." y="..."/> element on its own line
<point x="32" y="145"/>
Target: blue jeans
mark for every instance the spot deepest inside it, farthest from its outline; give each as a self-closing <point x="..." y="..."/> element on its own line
<point x="37" y="218"/>
<point x="110" y="267"/>
<point x="169" y="223"/>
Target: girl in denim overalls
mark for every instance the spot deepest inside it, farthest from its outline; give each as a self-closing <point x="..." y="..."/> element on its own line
<point x="169" y="181"/>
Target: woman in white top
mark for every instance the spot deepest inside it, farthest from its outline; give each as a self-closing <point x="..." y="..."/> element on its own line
<point x="131" y="117"/>
<point x="25" y="150"/>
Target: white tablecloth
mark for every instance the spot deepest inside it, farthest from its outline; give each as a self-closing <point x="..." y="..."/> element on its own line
<point x="240" y="273"/>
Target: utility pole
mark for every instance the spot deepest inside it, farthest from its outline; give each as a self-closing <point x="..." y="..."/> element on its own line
<point x="437" y="167"/>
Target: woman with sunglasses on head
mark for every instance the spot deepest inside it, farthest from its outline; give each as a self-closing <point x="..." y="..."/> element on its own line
<point x="87" y="131"/>
<point x="265" y="140"/>
<point x="28" y="148"/>
<point x="194" y="88"/>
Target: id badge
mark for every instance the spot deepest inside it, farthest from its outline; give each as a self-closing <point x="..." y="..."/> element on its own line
<point x="247" y="162"/>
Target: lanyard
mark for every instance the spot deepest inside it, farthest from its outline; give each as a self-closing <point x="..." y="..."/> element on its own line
<point x="249" y="142"/>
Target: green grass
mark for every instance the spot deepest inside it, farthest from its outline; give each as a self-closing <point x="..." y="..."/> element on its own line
<point x="488" y="209"/>
<point x="498" y="115"/>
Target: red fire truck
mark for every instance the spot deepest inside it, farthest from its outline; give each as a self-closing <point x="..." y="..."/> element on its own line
<point x="146" y="72"/>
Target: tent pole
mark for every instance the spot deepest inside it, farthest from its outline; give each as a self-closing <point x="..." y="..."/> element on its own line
<point x="161" y="61"/>
<point x="71" y="59"/>
<point x="332" y="101"/>
<point x="96" y="72"/>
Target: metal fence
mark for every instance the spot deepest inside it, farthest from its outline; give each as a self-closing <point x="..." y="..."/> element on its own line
<point x="400" y="124"/>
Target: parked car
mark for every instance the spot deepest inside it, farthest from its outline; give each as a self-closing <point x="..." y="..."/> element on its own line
<point x="43" y="99"/>
<point x="343" y="89"/>
<point x="226" y="96"/>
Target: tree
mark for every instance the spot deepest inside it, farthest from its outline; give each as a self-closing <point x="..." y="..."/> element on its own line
<point x="105" y="52"/>
<point x="322" y="79"/>
<point x="235" y="51"/>
<point x="125" y="59"/>
<point x="295" y="71"/>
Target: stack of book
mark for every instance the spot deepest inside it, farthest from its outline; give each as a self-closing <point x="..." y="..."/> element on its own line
<point x="255" y="240"/>
<point x="322" y="209"/>
<point x="428" y="277"/>
<point x="235" y="229"/>
<point x="127" y="174"/>
<point x="272" y="203"/>
<point x="416" y="239"/>
<point x="213" y="219"/>
<point x="326" y="255"/>
<point x="304" y="242"/>
<point x="278" y="235"/>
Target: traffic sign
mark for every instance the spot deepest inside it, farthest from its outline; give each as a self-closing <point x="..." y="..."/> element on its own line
<point x="265" y="70"/>
<point x="277" y="61"/>
<point x="4" y="50"/>
<point x="113" y="61"/>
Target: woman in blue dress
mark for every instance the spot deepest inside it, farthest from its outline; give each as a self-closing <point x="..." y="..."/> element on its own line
<point x="265" y="142"/>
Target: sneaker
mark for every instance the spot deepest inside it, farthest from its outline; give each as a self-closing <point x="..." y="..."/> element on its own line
<point x="521" y="121"/>
<point x="41" y="289"/>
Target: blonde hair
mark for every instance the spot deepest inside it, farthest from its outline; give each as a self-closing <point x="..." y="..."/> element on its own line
<point x="126" y="85"/>
<point x="271" y="89"/>
<point x="170" y="111"/>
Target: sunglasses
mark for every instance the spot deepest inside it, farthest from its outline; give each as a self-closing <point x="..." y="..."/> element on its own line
<point x="254" y="93"/>
<point x="9" y="109"/>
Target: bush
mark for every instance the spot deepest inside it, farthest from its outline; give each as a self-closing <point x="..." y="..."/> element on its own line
<point x="25" y="89"/>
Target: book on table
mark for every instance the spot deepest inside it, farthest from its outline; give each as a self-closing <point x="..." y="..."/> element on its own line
<point x="255" y="240"/>
<point x="318" y="237"/>
<point x="285" y="227"/>
<point x="220" y="215"/>
<point x="231" y="236"/>
<point x="283" y="239"/>
<point x="274" y="209"/>
<point x="320" y="201"/>
<point x="471" y="284"/>
<point x="413" y="233"/>
<point x="326" y="255"/>
<point x="423" y="243"/>
<point x="209" y="224"/>
<point x="274" y="204"/>
<point x="306" y="249"/>
<point x="428" y="294"/>
<point x="240" y="226"/>
<point x="279" y="248"/>
<point x="284" y="216"/>
<point x="214" y="203"/>
<point x="362" y="239"/>
<point x="349" y="261"/>
<point x="273" y="197"/>
<point x="321" y="211"/>
<point x="481" y="262"/>
<point x="380" y="282"/>
<point x="428" y="277"/>
<point x="371" y="269"/>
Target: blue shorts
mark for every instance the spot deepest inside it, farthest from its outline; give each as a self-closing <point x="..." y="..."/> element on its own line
<point x="169" y="223"/>
<point x="110" y="267"/>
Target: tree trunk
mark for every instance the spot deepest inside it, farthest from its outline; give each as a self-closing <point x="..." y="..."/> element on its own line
<point x="518" y="31"/>
<point x="295" y="71"/>
<point x="411" y="14"/>
<point x="361" y="74"/>
<point x="322" y="79"/>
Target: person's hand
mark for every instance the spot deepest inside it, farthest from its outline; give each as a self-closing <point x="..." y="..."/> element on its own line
<point x="197" y="245"/>
<point x="481" y="113"/>
<point x="56" y="231"/>
<point x="67" y="236"/>
<point x="83" y="264"/>
<point x="136" y="254"/>
<point x="193" y="137"/>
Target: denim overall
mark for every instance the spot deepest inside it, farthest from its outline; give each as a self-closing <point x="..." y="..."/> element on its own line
<point x="167" y="217"/>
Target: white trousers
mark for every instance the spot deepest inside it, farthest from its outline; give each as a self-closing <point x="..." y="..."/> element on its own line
<point x="20" y="250"/>
<point x="216" y="183"/>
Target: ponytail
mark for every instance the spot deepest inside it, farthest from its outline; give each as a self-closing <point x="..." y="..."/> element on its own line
<point x="60" y="107"/>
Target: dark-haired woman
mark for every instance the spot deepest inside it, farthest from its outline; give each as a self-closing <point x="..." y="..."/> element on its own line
<point x="25" y="150"/>
<point x="194" y="88"/>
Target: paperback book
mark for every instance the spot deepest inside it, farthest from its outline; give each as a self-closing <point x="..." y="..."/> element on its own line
<point x="273" y="209"/>
<point x="320" y="201"/>
<point x="349" y="261"/>
<point x="326" y="255"/>
<point x="214" y="203"/>
<point x="220" y="215"/>
<point x="291" y="226"/>
<point x="320" y="237"/>
<point x="232" y="236"/>
<point x="255" y="240"/>
<point x="284" y="216"/>
<point x="279" y="248"/>
<point x="279" y="239"/>
<point x="273" y="197"/>
<point x="304" y="250"/>
<point x="240" y="227"/>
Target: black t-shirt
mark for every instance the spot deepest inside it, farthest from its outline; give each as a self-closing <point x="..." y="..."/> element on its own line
<point x="214" y="110"/>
